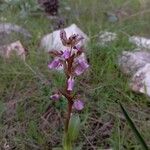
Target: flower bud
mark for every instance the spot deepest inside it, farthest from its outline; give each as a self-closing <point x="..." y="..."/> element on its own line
<point x="70" y="83"/>
<point x="55" y="96"/>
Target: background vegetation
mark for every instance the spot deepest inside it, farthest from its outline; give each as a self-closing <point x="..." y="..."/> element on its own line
<point x="25" y="88"/>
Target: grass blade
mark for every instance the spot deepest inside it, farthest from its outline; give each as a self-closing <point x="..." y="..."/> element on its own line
<point x="134" y="129"/>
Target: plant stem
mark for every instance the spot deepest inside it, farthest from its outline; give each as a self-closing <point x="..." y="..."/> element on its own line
<point x="70" y="103"/>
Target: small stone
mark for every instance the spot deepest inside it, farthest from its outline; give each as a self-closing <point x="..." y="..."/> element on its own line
<point x="107" y="37"/>
<point x="67" y="8"/>
<point x="111" y="17"/>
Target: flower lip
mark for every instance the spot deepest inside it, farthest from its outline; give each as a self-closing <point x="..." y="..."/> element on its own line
<point x="66" y="54"/>
<point x="81" y="67"/>
<point x="78" y="104"/>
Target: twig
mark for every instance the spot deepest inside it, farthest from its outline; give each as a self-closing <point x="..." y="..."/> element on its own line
<point x="125" y="95"/>
<point x="122" y="117"/>
<point x="32" y="145"/>
<point x="88" y="141"/>
<point x="136" y="14"/>
<point x="37" y="75"/>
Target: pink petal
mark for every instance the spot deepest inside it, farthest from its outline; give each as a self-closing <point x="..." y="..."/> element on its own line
<point x="79" y="70"/>
<point x="78" y="105"/>
<point x="81" y="67"/>
<point x="66" y="54"/>
<point x="54" y="64"/>
<point x="56" y="96"/>
<point x="70" y="83"/>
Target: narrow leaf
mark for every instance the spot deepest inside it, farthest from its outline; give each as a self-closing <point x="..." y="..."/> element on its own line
<point x="134" y="129"/>
<point x="67" y="144"/>
<point x="74" y="126"/>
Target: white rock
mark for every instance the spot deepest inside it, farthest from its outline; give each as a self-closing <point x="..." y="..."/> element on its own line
<point x="140" y="41"/>
<point x="9" y="28"/>
<point x="136" y="64"/>
<point x="52" y="41"/>
<point x="6" y="50"/>
<point x="141" y="80"/>
<point x="131" y="62"/>
<point x="107" y="37"/>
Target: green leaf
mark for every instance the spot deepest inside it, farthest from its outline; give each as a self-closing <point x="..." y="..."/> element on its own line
<point x="67" y="143"/>
<point x="74" y="127"/>
<point x="134" y="129"/>
<point x="72" y="134"/>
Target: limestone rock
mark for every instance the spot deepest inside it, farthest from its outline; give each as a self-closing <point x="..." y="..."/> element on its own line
<point x="131" y="62"/>
<point x="141" y="80"/>
<point x="136" y="65"/>
<point x="52" y="41"/>
<point x="6" y="50"/>
<point x="10" y="33"/>
<point x="140" y="42"/>
<point x="9" y="27"/>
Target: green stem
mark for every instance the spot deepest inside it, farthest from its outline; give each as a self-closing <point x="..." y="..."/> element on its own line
<point x="70" y="103"/>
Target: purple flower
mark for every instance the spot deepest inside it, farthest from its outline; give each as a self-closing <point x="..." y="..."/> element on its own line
<point x="55" y="96"/>
<point x="66" y="54"/>
<point x="70" y="83"/>
<point x="78" y="104"/>
<point x="81" y="67"/>
<point x="54" y="64"/>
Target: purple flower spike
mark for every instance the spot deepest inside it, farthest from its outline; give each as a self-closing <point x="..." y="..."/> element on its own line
<point x="66" y="54"/>
<point x="81" y="67"/>
<point x="54" y="64"/>
<point x="78" y="105"/>
<point x="56" y="96"/>
<point x="70" y="83"/>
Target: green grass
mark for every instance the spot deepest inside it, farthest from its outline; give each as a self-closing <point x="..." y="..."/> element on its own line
<point x="30" y="85"/>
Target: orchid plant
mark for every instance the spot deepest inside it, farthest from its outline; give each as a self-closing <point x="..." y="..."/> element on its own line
<point x="74" y="64"/>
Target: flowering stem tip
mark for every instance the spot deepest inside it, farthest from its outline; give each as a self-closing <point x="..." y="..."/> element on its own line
<point x="73" y="64"/>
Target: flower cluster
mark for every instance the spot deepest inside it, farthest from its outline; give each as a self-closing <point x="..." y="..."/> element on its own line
<point x="73" y="64"/>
